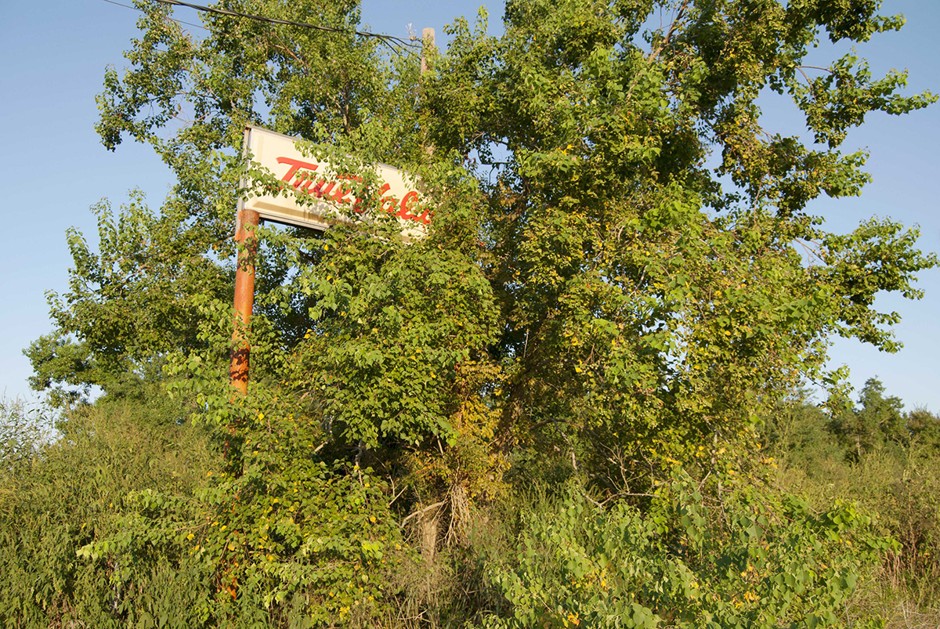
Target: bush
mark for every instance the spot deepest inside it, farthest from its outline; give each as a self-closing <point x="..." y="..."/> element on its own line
<point x="274" y="534"/>
<point x="738" y="558"/>
<point x="61" y="495"/>
<point x="23" y="429"/>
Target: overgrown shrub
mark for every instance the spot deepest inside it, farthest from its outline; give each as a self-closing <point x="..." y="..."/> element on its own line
<point x="59" y="496"/>
<point x="741" y="557"/>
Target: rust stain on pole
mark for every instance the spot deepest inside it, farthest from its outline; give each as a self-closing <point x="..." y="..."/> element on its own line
<point x="247" y="239"/>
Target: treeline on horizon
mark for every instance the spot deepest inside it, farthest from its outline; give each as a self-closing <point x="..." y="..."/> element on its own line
<point x="577" y="401"/>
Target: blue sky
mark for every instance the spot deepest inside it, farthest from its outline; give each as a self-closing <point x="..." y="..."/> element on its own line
<point x="53" y="166"/>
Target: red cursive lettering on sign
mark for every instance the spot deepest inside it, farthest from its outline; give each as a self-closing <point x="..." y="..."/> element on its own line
<point x="300" y="175"/>
<point x="405" y="212"/>
<point x="295" y="165"/>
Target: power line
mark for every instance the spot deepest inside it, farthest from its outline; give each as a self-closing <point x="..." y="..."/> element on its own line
<point x="127" y="6"/>
<point x="389" y="40"/>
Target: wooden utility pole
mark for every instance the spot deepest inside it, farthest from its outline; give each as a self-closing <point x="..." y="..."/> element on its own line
<point x="246" y="237"/>
<point x="427" y="39"/>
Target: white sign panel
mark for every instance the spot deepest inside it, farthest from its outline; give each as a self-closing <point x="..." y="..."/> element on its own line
<point x="329" y="192"/>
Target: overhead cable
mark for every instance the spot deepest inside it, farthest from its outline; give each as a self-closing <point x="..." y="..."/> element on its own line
<point x="133" y="8"/>
<point x="389" y="40"/>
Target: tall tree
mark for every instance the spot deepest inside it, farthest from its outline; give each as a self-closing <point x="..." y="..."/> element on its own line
<point x="660" y="273"/>
<point x="877" y="420"/>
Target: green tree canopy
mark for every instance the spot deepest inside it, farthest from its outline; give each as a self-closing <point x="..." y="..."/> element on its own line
<point x="623" y="268"/>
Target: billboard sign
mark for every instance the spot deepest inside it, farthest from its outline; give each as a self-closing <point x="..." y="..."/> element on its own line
<point x="326" y="192"/>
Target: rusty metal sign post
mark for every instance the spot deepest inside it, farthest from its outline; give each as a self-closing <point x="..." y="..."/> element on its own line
<point x="246" y="236"/>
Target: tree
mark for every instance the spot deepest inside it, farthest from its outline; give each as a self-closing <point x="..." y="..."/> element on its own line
<point x="876" y="421"/>
<point x="129" y="305"/>
<point x="648" y="306"/>
<point x="924" y="427"/>
<point x="622" y="273"/>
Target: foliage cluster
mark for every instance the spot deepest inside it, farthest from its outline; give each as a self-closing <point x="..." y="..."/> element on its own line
<point x="622" y="275"/>
<point x="748" y="561"/>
